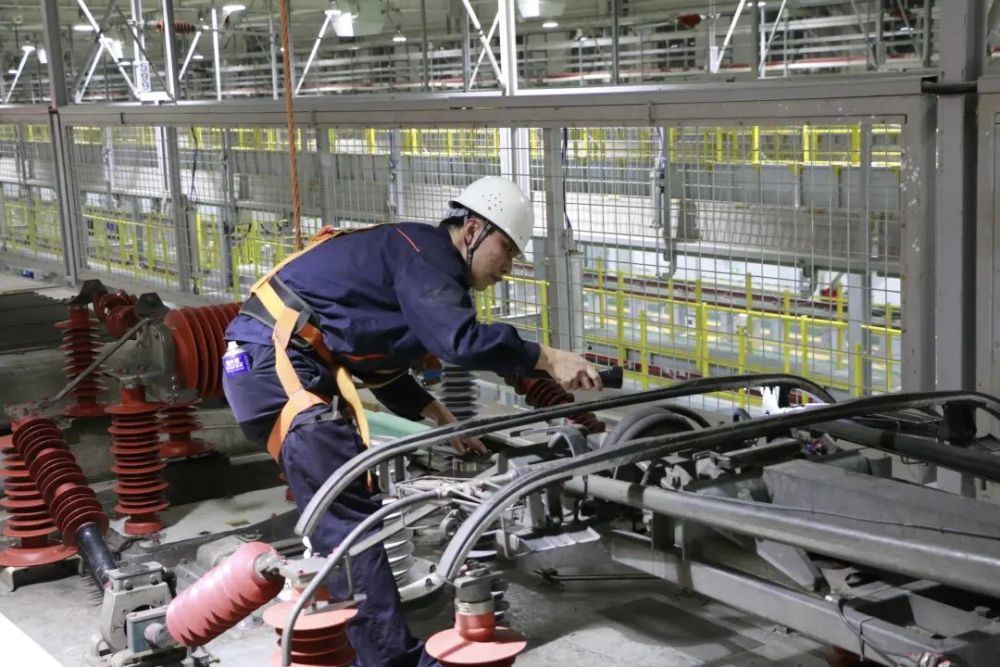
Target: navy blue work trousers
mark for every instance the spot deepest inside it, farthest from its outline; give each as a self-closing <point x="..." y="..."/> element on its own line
<point x="317" y="444"/>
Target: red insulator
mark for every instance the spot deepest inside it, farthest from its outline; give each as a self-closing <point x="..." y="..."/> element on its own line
<point x="80" y="346"/>
<point x="220" y="599"/>
<point x="71" y="503"/>
<point x="104" y="304"/>
<point x="180" y="27"/>
<point x="199" y="343"/>
<point x="136" y="445"/>
<point x="29" y="523"/>
<point x="451" y="649"/>
<point x="688" y="21"/>
<point x="121" y="320"/>
<point x="117" y="312"/>
<point x="544" y="393"/>
<point x="177" y="422"/>
<point x="317" y="639"/>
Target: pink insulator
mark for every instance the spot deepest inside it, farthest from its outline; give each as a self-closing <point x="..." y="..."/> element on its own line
<point x="225" y="595"/>
<point x="319" y="638"/>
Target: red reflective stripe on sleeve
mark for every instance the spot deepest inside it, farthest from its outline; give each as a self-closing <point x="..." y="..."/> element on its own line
<point x="403" y="234"/>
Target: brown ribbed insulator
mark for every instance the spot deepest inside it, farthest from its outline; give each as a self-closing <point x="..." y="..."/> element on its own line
<point x="71" y="503"/>
<point x="545" y="392"/>
<point x="29" y="523"/>
<point x="135" y="444"/>
<point x="177" y="421"/>
<point x="80" y="347"/>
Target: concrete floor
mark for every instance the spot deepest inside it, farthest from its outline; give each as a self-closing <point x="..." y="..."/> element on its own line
<point x="626" y="624"/>
<point x="611" y="623"/>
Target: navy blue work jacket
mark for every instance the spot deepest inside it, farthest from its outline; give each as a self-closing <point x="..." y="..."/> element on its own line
<point x="385" y="297"/>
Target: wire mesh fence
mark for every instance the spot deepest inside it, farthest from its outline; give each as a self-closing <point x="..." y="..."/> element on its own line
<point x="677" y="251"/>
<point x="29" y="209"/>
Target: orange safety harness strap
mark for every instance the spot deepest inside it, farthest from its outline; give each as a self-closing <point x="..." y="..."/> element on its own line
<point x="286" y="326"/>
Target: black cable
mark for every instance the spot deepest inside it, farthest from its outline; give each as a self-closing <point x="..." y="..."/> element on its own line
<point x="194" y="163"/>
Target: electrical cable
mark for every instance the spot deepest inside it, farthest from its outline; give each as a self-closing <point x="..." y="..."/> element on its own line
<point x="194" y="163"/>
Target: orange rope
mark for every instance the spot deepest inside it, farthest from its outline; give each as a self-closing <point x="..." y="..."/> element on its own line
<point x="293" y="157"/>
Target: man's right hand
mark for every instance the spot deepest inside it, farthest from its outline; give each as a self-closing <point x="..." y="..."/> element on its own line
<point x="570" y="370"/>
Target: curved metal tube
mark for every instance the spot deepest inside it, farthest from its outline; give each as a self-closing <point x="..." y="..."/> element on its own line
<point x="331" y="562"/>
<point x="657" y="446"/>
<point x="357" y="466"/>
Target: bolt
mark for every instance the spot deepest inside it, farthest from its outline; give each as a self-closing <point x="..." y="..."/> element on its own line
<point x="154" y="580"/>
<point x="127" y="585"/>
<point x="428" y="582"/>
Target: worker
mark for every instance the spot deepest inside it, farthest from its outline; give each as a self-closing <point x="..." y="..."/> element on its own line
<point x="370" y="304"/>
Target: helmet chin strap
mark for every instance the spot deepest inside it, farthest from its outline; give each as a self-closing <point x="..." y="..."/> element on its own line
<point x="487" y="229"/>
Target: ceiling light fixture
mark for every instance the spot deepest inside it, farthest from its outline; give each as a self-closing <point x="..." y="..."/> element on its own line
<point x="83" y="27"/>
<point x="28" y="48"/>
<point x="43" y="57"/>
<point x="399" y="37"/>
<point x="197" y="56"/>
<point x="548" y="25"/>
<point x="232" y="9"/>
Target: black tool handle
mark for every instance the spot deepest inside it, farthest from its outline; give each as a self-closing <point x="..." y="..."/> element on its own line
<point x="611" y="378"/>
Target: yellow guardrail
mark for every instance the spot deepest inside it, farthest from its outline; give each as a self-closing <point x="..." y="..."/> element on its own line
<point x="795" y="347"/>
<point x="789" y="344"/>
<point x="141" y="248"/>
<point x="32" y="227"/>
<point x="797" y="146"/>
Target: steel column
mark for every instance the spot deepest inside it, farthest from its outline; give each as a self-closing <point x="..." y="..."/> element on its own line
<point x="228" y="222"/>
<point x="565" y="321"/>
<point x="925" y="50"/>
<point x="170" y="50"/>
<point x="397" y="198"/>
<point x="216" y="59"/>
<point x="955" y="235"/>
<point x="508" y="45"/>
<point x="186" y="247"/>
<point x="917" y="344"/>
<point x="62" y="146"/>
<point x="327" y="170"/>
<point x="426" y="55"/>
<point x="466" y="53"/>
<point x="273" y="46"/>
<point x="616" y="10"/>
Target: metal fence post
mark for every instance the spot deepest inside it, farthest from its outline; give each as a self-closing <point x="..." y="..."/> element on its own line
<point x="561" y="257"/>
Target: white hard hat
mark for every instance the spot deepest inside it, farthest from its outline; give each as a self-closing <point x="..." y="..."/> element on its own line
<point x="501" y="202"/>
